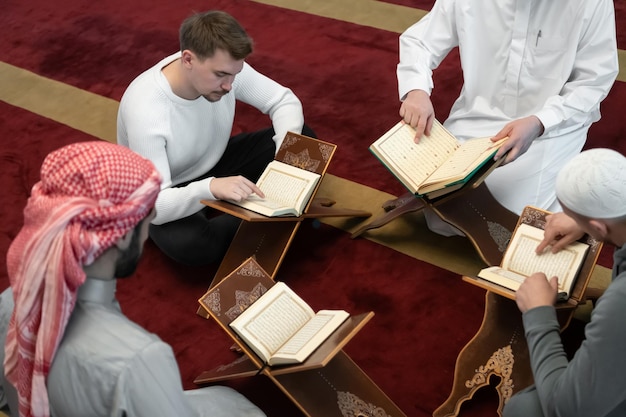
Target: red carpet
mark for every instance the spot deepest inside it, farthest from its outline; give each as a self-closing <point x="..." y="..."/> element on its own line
<point x="345" y="75"/>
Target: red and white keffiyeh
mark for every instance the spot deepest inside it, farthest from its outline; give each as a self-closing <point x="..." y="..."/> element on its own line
<point x="90" y="195"/>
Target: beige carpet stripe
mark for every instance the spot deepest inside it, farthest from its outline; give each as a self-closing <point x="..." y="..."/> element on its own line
<point x="71" y="106"/>
<point x="376" y="14"/>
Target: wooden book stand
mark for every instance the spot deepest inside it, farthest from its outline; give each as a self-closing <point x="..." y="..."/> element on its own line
<point x="499" y="347"/>
<point x="471" y="209"/>
<point x="327" y="384"/>
<point x="269" y="238"/>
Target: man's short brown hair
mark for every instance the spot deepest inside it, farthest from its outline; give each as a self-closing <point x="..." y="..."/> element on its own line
<point x="204" y="33"/>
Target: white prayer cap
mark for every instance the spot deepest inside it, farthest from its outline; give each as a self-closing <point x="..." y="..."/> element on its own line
<point x="593" y="184"/>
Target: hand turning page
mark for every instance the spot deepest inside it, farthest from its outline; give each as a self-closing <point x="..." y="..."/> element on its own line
<point x="520" y="261"/>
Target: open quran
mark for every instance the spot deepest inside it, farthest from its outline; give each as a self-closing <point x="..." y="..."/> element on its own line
<point x="274" y="322"/>
<point x="327" y="383"/>
<point x="287" y="190"/>
<point x="520" y="259"/>
<point x="282" y="328"/>
<point x="437" y="163"/>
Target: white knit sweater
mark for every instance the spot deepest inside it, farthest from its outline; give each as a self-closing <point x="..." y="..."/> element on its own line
<point x="186" y="138"/>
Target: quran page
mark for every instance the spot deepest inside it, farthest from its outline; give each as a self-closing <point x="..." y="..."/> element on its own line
<point x="281" y="328"/>
<point x="467" y="158"/>
<point x="520" y="260"/>
<point x="412" y="163"/>
<point x="287" y="190"/>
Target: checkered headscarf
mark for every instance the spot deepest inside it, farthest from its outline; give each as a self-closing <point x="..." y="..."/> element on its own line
<point x="90" y="195"/>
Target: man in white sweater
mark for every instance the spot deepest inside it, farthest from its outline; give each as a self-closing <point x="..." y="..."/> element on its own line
<point x="179" y="114"/>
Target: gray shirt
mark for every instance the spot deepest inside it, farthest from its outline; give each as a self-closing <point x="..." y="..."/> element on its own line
<point x="593" y="382"/>
<point x="106" y="365"/>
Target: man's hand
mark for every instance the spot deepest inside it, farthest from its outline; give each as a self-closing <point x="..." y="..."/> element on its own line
<point x="417" y="110"/>
<point x="521" y="134"/>
<point x="234" y="188"/>
<point x="560" y="231"/>
<point x="536" y="291"/>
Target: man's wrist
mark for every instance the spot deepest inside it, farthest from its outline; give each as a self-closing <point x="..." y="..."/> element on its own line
<point x="540" y="127"/>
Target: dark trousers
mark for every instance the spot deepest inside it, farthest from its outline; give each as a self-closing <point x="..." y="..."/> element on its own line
<point x="204" y="237"/>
